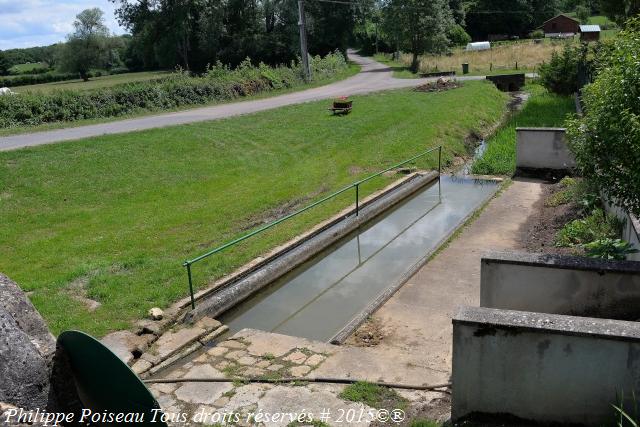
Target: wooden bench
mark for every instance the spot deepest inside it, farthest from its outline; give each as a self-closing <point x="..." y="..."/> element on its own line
<point x="340" y="110"/>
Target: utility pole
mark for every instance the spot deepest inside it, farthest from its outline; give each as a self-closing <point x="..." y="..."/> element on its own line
<point x="303" y="40"/>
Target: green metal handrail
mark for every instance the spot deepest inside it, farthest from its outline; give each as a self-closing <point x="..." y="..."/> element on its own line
<point x="355" y="185"/>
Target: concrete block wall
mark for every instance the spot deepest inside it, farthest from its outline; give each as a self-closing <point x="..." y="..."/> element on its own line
<point x="542" y="367"/>
<point x="542" y="149"/>
<point x="561" y="285"/>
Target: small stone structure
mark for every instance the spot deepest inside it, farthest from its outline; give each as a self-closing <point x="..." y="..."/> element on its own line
<point x="561" y="285"/>
<point x="539" y="150"/>
<point x="543" y="363"/>
<point x="542" y="367"/>
<point x="508" y="82"/>
<point x="26" y="351"/>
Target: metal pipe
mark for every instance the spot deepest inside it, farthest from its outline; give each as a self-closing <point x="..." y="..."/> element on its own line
<point x="432" y="387"/>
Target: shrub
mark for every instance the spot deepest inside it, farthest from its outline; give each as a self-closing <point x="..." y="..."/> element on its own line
<point x="217" y="84"/>
<point x="458" y="36"/>
<point x="615" y="249"/>
<point x="594" y="227"/>
<point x="537" y="34"/>
<point x="606" y="140"/>
<point x="560" y="74"/>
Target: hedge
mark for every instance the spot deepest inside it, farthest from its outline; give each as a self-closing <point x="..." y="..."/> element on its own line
<point x="219" y="83"/>
<point x="50" y="77"/>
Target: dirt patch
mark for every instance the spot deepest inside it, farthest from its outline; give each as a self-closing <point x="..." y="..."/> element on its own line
<point x="282" y="210"/>
<point x="440" y="85"/>
<point x="369" y="334"/>
<point x="546" y="220"/>
<point x="77" y="290"/>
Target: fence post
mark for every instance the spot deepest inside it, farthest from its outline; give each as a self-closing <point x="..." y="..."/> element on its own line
<point x="193" y="301"/>
<point x="440" y="160"/>
<point x="357" y="199"/>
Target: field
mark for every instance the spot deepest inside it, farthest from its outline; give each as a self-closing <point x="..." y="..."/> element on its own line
<point x="543" y="109"/>
<point x="506" y="57"/>
<point x="94" y="83"/>
<point x="112" y="218"/>
<point x="28" y="68"/>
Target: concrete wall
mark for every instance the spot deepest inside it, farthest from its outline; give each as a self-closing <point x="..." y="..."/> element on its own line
<point x="542" y="148"/>
<point x="541" y="367"/>
<point x="561" y="285"/>
<point x="630" y="230"/>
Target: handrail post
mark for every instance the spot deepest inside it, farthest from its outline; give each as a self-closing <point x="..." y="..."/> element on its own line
<point x="440" y="160"/>
<point x="193" y="301"/>
<point x="357" y="199"/>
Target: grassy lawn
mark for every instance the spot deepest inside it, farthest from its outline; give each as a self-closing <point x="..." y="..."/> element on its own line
<point x="351" y="71"/>
<point x="114" y="217"/>
<point x="93" y="83"/>
<point x="543" y="109"/>
<point x="28" y="68"/>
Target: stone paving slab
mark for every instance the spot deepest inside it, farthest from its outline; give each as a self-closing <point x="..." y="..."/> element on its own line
<point x="285" y="357"/>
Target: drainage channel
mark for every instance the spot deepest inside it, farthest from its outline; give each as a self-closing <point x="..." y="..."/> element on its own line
<point x="317" y="299"/>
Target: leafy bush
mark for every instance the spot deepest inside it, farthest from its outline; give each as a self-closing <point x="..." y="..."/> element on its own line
<point x="615" y="249"/>
<point x="606" y="140"/>
<point x="458" y="36"/>
<point x="596" y="226"/>
<point x="537" y="34"/>
<point x="219" y="83"/>
<point x="560" y="74"/>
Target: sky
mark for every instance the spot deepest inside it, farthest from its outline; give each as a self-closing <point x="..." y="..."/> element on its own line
<point x="27" y="23"/>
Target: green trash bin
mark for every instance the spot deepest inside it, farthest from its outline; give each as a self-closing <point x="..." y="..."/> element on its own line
<point x="465" y="68"/>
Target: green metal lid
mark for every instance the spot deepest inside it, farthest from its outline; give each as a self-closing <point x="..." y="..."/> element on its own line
<point x="105" y="383"/>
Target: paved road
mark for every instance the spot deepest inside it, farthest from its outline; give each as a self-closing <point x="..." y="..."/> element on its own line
<point x="374" y="76"/>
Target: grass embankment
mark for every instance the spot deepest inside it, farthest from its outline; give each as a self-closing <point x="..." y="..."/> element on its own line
<point x="543" y="109"/>
<point x="113" y="217"/>
<point x="502" y="58"/>
<point x="93" y="83"/>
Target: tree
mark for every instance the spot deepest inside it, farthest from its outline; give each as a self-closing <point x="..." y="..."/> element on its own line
<point x="620" y="10"/>
<point x="606" y="140"/>
<point x="194" y="33"/>
<point x="86" y="47"/>
<point x="419" y="26"/>
<point x="508" y="17"/>
<point x="4" y="64"/>
<point x="583" y="13"/>
<point x="560" y="74"/>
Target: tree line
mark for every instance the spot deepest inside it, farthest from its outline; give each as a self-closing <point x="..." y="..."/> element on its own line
<point x="193" y="34"/>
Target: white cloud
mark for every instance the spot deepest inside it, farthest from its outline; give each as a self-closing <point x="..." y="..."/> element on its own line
<point x="25" y="23"/>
